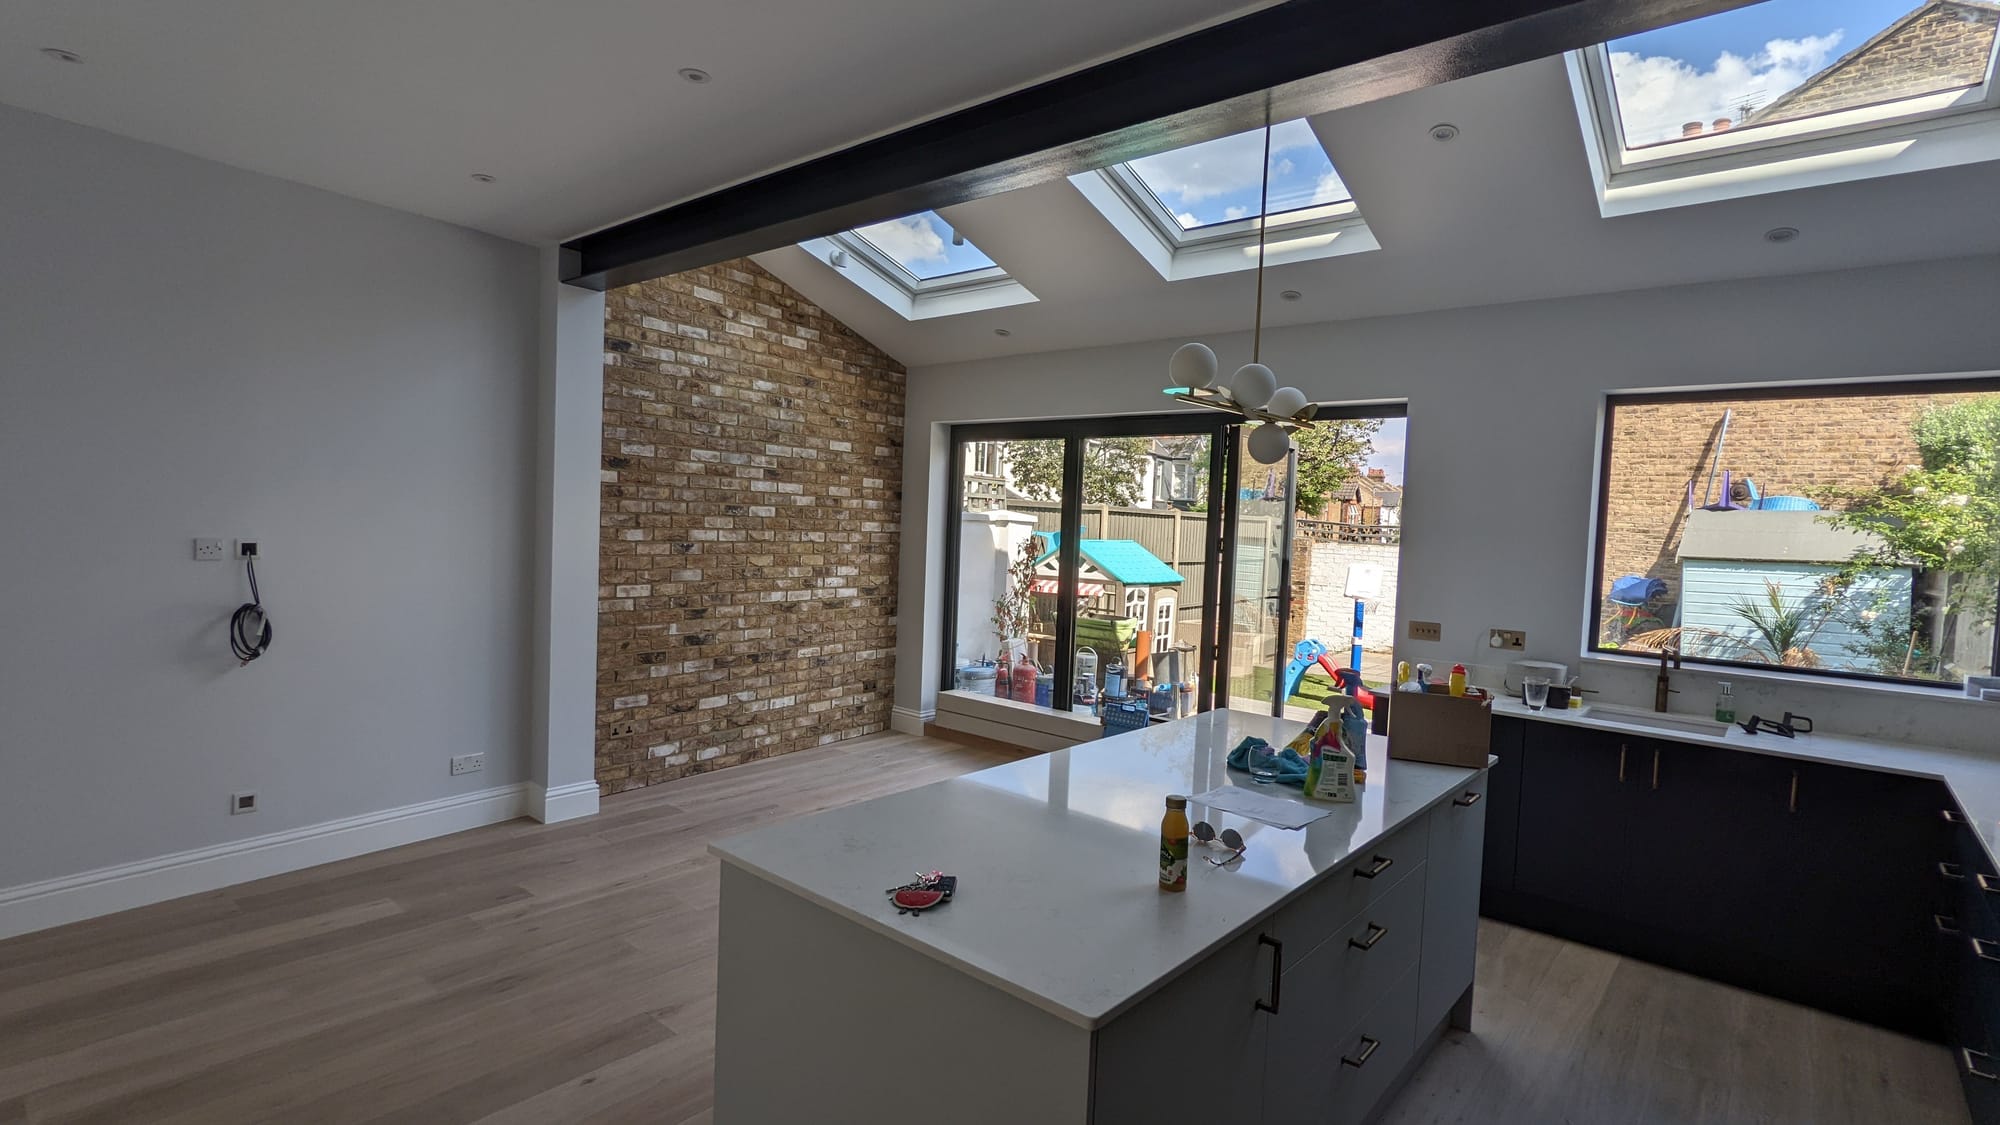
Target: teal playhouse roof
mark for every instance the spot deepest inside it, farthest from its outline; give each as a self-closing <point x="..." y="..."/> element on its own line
<point x="1125" y="561"/>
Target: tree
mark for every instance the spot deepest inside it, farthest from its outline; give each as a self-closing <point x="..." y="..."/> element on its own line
<point x="1330" y="455"/>
<point x="1941" y="515"/>
<point x="1114" y="469"/>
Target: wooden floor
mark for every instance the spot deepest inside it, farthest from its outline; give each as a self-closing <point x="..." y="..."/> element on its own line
<point x="533" y="974"/>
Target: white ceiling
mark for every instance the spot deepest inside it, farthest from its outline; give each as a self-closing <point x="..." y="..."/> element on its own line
<point x="576" y="105"/>
<point x="577" y="108"/>
<point x="1507" y="212"/>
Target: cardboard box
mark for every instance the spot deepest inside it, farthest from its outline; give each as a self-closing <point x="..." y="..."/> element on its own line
<point x="1441" y="728"/>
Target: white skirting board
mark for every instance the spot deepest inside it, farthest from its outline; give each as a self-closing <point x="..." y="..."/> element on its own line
<point x="562" y="802"/>
<point x="908" y="720"/>
<point x="107" y="890"/>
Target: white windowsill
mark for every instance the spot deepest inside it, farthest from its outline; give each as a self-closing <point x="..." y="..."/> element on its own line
<point x="1792" y="679"/>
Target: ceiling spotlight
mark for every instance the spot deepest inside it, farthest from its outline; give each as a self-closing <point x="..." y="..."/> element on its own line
<point x="484" y="177"/>
<point x="1003" y="332"/>
<point x="1291" y="294"/>
<point x="694" y="74"/>
<point x="957" y="239"/>
<point x="60" y="55"/>
<point x="1444" y="131"/>
<point x="1781" y="234"/>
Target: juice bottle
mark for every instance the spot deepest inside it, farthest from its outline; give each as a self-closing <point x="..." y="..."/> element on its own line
<point x="1457" y="681"/>
<point x="1174" y="845"/>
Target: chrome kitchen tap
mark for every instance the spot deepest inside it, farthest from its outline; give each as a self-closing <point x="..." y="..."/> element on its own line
<point x="1662" y="684"/>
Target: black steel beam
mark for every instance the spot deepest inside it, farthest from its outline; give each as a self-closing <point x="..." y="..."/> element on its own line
<point x="1302" y="57"/>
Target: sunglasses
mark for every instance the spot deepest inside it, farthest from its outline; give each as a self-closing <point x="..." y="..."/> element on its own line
<point x="1229" y="838"/>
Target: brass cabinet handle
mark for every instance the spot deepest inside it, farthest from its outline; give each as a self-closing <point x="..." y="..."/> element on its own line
<point x="1953" y="816"/>
<point x="1656" y="768"/>
<point x="1277" y="971"/>
<point x="1980" y="947"/>
<point x="1375" y="933"/>
<point x="1987" y="883"/>
<point x="1972" y="1066"/>
<point x="1951" y="870"/>
<point x="1622" y="748"/>
<point x="1945" y="923"/>
<point x="1382" y="863"/>
<point x="1468" y="800"/>
<point x="1361" y="1058"/>
<point x="1793" y="806"/>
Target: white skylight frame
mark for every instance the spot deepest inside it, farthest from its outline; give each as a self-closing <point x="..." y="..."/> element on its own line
<point x="1910" y="134"/>
<point x="911" y="297"/>
<point x="1177" y="253"/>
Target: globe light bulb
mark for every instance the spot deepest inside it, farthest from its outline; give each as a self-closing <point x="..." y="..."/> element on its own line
<point x="1253" y="386"/>
<point x="1287" y="402"/>
<point x="1192" y="365"/>
<point x="1269" y="443"/>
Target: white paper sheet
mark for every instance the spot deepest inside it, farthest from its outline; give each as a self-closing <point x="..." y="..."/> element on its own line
<point x="1269" y="808"/>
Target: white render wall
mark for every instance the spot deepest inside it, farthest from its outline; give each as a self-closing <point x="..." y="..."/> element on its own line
<point x="1504" y="407"/>
<point x="191" y="350"/>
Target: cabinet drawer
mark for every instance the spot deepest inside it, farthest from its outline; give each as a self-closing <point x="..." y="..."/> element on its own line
<point x="1370" y="1055"/>
<point x="1327" y="907"/>
<point x="1350" y="971"/>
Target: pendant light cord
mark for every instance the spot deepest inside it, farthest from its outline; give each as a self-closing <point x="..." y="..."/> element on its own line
<point x="1263" y="221"/>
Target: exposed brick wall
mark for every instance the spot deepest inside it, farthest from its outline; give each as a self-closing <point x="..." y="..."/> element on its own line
<point x="1789" y="447"/>
<point x="752" y="492"/>
<point x="1945" y="45"/>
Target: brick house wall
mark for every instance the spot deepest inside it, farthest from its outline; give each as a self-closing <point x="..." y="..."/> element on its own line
<point x="1941" y="46"/>
<point x="751" y="500"/>
<point x="1789" y="447"/>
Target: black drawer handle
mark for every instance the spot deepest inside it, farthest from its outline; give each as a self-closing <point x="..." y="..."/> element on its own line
<point x="1951" y="871"/>
<point x="1987" y="883"/>
<point x="1467" y="801"/>
<point x="1953" y="816"/>
<point x="1360" y="1059"/>
<point x="1382" y="863"/>
<point x="1973" y="1059"/>
<point x="1946" y="924"/>
<point x="1277" y="971"/>
<point x="1375" y="933"/>
<point x="1980" y="947"/>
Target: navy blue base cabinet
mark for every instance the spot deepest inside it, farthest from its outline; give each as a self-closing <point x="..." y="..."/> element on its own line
<point x="1811" y="882"/>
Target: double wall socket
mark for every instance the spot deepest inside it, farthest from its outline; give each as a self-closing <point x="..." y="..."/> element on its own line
<point x="209" y="550"/>
<point x="467" y="763"/>
<point x="1426" y="631"/>
<point x="1513" y="639"/>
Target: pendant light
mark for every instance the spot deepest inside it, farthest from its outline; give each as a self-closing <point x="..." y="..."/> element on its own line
<point x="1253" y="393"/>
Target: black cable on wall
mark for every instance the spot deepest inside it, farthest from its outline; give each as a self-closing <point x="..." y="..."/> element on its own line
<point x="250" y="626"/>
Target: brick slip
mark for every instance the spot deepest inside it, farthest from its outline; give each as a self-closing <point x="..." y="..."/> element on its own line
<point x="747" y="591"/>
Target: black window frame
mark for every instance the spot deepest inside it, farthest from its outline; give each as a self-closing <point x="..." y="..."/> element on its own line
<point x="1073" y="432"/>
<point x="1980" y="384"/>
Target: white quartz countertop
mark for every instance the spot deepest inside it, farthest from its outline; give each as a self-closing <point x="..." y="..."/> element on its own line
<point x="1972" y="777"/>
<point x="1057" y="856"/>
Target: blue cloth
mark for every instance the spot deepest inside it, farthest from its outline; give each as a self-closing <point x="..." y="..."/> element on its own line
<point x="1291" y="767"/>
<point x="1636" y="589"/>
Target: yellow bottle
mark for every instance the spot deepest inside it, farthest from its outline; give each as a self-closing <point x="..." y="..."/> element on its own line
<point x="1457" y="682"/>
<point x="1174" y="845"/>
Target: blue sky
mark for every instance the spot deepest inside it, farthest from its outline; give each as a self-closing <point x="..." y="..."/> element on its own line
<point x="921" y="243"/>
<point x="1707" y="68"/>
<point x="1217" y="181"/>
<point x="1388" y="455"/>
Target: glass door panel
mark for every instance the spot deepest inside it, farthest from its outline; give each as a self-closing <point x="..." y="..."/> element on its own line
<point x="1253" y="630"/>
<point x="1008" y="584"/>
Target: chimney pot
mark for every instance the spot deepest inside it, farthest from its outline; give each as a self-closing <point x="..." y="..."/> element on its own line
<point x="1691" y="129"/>
<point x="1378" y="474"/>
<point x="1723" y="124"/>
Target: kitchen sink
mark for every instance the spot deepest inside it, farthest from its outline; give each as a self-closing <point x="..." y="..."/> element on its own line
<point x="1679" y="724"/>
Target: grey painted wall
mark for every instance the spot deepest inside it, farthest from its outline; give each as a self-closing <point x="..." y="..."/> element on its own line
<point x="1504" y="406"/>
<point x="191" y="350"/>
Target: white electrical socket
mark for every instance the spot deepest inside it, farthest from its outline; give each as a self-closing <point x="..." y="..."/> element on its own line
<point x="209" y="550"/>
<point x="240" y="803"/>
<point x="467" y="763"/>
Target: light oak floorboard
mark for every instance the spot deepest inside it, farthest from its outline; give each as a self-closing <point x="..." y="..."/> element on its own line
<point x="524" y="973"/>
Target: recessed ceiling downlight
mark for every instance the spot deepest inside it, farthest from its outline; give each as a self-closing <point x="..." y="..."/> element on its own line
<point x="1291" y="294"/>
<point x="484" y="177"/>
<point x="60" y="55"/>
<point x="1781" y="234"/>
<point x="695" y="75"/>
<point x="1003" y="332"/>
<point x="1444" y="131"/>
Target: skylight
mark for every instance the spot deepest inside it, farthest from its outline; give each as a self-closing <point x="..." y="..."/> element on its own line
<point x="1793" y="61"/>
<point x="925" y="246"/>
<point x="1220" y="181"/>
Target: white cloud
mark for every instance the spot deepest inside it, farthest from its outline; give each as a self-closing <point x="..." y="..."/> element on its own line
<point x="1329" y="188"/>
<point x="1218" y="167"/>
<point x="1235" y="212"/>
<point x="1187" y="219"/>
<point x="908" y="240"/>
<point x="1657" y="94"/>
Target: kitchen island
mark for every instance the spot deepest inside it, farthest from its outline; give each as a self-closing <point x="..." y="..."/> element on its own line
<point x="1302" y="981"/>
